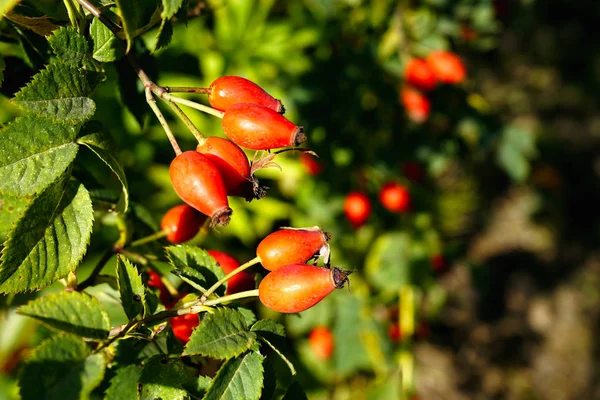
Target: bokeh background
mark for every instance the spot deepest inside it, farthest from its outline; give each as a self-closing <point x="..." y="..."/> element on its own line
<point x="497" y="257"/>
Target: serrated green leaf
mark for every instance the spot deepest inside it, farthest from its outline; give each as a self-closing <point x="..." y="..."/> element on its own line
<point x="107" y="47"/>
<point x="295" y="392"/>
<point x="94" y="138"/>
<point x="49" y="240"/>
<point x="130" y="288"/>
<point x="164" y="378"/>
<point x="71" y="312"/>
<point x="59" y="92"/>
<point x="2" y="68"/>
<point x="61" y="368"/>
<point x="170" y="8"/>
<point x="273" y="334"/>
<point x="123" y="386"/>
<point x="69" y="46"/>
<point x="131" y="19"/>
<point x="248" y="314"/>
<point x="34" y="152"/>
<point x="164" y="35"/>
<point x="196" y="264"/>
<point x="222" y="334"/>
<point x="238" y="378"/>
<point x="11" y="209"/>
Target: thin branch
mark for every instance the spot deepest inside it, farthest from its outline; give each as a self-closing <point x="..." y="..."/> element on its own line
<point x="188" y="122"/>
<point x="186" y="89"/>
<point x="160" y="92"/>
<point x="239" y="269"/>
<point x="162" y="120"/>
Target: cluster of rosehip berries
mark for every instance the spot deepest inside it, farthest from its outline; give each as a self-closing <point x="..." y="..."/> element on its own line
<point x="423" y="75"/>
<point x="291" y="286"/>
<point x="219" y="167"/>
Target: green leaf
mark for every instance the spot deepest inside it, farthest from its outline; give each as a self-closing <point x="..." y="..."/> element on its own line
<point x="103" y="145"/>
<point x="164" y="35"/>
<point x="348" y="328"/>
<point x="107" y="47"/>
<point x="2" y="68"/>
<point x="49" y="240"/>
<point x="388" y="262"/>
<point x="11" y="209"/>
<point x="273" y="334"/>
<point x="34" y="152"/>
<point x="61" y="368"/>
<point x="238" y="378"/>
<point x="196" y="264"/>
<point x="515" y="150"/>
<point x="170" y="8"/>
<point x="131" y="19"/>
<point x="130" y="288"/>
<point x="123" y="386"/>
<point x="295" y="392"/>
<point x="59" y="92"/>
<point x="388" y="389"/>
<point x="164" y="378"/>
<point x="71" y="48"/>
<point x="223" y="334"/>
<point x="72" y="312"/>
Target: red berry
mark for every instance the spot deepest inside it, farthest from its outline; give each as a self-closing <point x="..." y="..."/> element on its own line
<point x="241" y="281"/>
<point x="394" y="332"/>
<point x="232" y="163"/>
<point x="198" y="182"/>
<point x="155" y="282"/>
<point x="417" y="105"/>
<point x="395" y="197"/>
<point x="181" y="223"/>
<point x="297" y="287"/>
<point x="438" y="263"/>
<point x="229" y="90"/>
<point x="321" y="342"/>
<point x="292" y="246"/>
<point x="419" y="74"/>
<point x="310" y="165"/>
<point x="183" y="326"/>
<point x="257" y="127"/>
<point x="357" y="208"/>
<point x="447" y="67"/>
<point x="413" y="171"/>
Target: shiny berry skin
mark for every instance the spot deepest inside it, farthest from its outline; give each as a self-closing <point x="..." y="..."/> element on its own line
<point x="321" y="342"/>
<point x="183" y="326"/>
<point x="310" y="164"/>
<point x="232" y="163"/>
<point x="241" y="281"/>
<point x="229" y="90"/>
<point x="395" y="197"/>
<point x="417" y="105"/>
<point x="257" y="127"/>
<point x="298" y="287"/>
<point x="198" y="182"/>
<point x="447" y="66"/>
<point x="420" y="75"/>
<point x="357" y="208"/>
<point x="292" y="246"/>
<point x="181" y="223"/>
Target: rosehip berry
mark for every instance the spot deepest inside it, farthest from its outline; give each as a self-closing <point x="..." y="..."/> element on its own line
<point x="183" y="326"/>
<point x="310" y="165"/>
<point x="394" y="332"/>
<point x="181" y="223"/>
<point x="417" y="105"/>
<point x="229" y="90"/>
<point x="257" y="127"/>
<point x="357" y="208"/>
<point x="155" y="282"/>
<point x="241" y="281"/>
<point x="395" y="197"/>
<point x="298" y="287"/>
<point x="447" y="67"/>
<point x="293" y="246"/>
<point x="198" y="182"/>
<point x="438" y="263"/>
<point x="321" y="342"/>
<point x="419" y="74"/>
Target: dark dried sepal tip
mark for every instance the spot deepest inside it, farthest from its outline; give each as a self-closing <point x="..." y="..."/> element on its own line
<point x="299" y="136"/>
<point x="221" y="217"/>
<point x="340" y="277"/>
<point x="327" y="236"/>
<point x="280" y="107"/>
<point x="255" y="191"/>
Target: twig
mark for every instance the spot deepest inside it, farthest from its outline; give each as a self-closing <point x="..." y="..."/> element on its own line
<point x="186" y="89"/>
<point x="214" y="287"/>
<point x="162" y="120"/>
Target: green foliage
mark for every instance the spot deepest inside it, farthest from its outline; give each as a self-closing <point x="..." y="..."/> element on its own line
<point x="195" y="266"/>
<point x="123" y="386"/>
<point x="222" y="334"/>
<point x="238" y="378"/>
<point x="107" y="47"/>
<point x="2" y="68"/>
<point x="62" y="367"/>
<point x="273" y="334"/>
<point x="164" y="378"/>
<point x="70" y="312"/>
<point x="131" y="288"/>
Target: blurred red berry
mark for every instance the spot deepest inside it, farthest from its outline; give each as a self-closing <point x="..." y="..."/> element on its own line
<point x="395" y="197"/>
<point x="394" y="332"/>
<point x="183" y="326"/>
<point x="417" y="105"/>
<point x="155" y="282"/>
<point x="447" y="66"/>
<point x="419" y="74"/>
<point x="241" y="281"/>
<point x="310" y="164"/>
<point x="413" y="171"/>
<point x="321" y="342"/>
<point x="438" y="262"/>
<point x="357" y="208"/>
